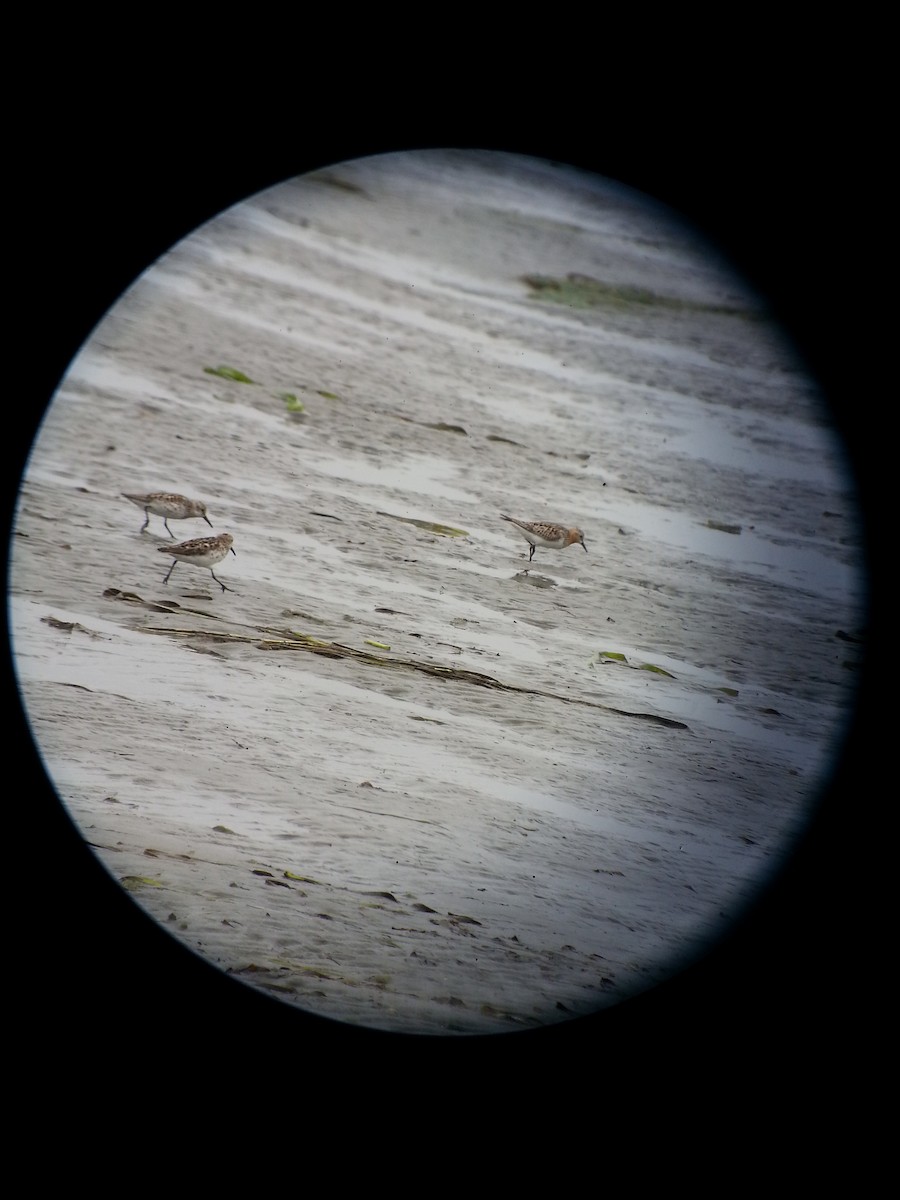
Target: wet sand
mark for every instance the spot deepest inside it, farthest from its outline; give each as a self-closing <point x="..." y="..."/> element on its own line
<point x="380" y="845"/>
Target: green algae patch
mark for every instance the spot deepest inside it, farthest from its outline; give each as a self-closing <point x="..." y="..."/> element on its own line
<point x="291" y="403"/>
<point x="584" y="291"/>
<point x="135" y="882"/>
<point x="429" y="526"/>
<point x="614" y="656"/>
<point x="231" y="373"/>
<point x="656" y="670"/>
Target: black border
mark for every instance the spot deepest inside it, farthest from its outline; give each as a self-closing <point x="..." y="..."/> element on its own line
<point x="98" y="204"/>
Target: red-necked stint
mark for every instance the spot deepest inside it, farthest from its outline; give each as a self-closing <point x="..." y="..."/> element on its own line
<point x="544" y="533"/>
<point x="201" y="552"/>
<point x="168" y="504"/>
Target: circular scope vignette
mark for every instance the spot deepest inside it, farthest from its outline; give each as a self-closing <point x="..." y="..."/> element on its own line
<point x="436" y="594"/>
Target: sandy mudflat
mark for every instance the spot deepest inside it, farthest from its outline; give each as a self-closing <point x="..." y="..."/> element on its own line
<point x="381" y="844"/>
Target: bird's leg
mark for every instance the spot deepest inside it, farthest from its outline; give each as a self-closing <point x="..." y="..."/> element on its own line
<point x="219" y="581"/>
<point x="171" y="569"/>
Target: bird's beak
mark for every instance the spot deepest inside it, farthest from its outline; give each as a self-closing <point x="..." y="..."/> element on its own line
<point x="231" y="548"/>
<point x="584" y="547"/>
<point x="207" y="520"/>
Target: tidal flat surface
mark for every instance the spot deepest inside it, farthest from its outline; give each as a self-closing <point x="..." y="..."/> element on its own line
<point x="399" y="776"/>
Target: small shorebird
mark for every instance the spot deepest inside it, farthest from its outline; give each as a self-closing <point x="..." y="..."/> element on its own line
<point x="168" y="504"/>
<point x="201" y="552"/>
<point x="542" y="533"/>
